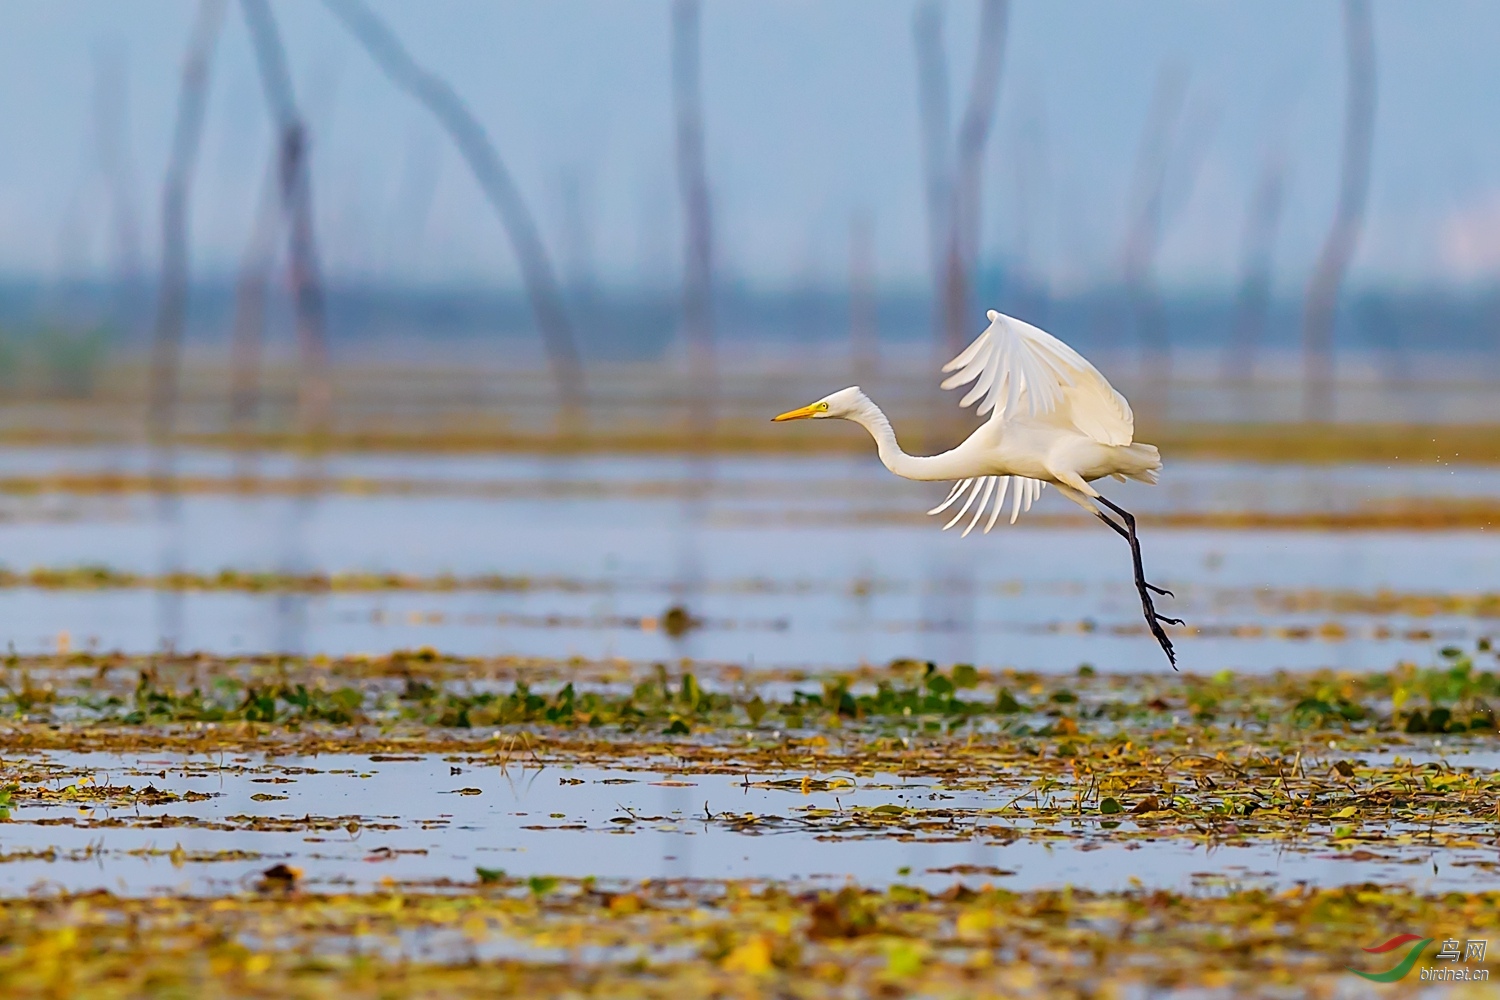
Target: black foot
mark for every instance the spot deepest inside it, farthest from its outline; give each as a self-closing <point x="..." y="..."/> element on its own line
<point x="1155" y="622"/>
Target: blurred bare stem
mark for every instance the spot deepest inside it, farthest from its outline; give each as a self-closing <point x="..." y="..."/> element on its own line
<point x="697" y="210"/>
<point x="166" y="348"/>
<point x="932" y="107"/>
<point x="1348" y="219"/>
<point x="313" y="391"/>
<point x="1026" y="280"/>
<point x="973" y="134"/>
<point x="1142" y="239"/>
<point x="111" y="132"/>
<point x="864" y="336"/>
<point x="1253" y="301"/>
<point x="498" y="186"/>
<point x="250" y="310"/>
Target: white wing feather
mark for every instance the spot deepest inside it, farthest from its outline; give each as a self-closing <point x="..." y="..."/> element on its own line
<point x="1021" y="371"/>
<point x="990" y="492"/>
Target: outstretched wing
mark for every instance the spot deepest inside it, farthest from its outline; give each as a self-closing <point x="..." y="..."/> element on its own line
<point x="1021" y="371"/>
<point x="985" y="488"/>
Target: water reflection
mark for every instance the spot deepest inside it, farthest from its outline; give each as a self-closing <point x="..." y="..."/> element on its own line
<point x="351" y="822"/>
<point x="774" y="588"/>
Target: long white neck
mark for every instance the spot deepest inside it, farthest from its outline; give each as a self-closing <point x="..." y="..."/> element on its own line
<point x="923" y="467"/>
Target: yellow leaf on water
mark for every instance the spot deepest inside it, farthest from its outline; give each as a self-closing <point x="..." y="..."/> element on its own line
<point x="973" y="923"/>
<point x="1346" y="813"/>
<point x="1020" y="978"/>
<point x="752" y="957"/>
<point x="625" y="903"/>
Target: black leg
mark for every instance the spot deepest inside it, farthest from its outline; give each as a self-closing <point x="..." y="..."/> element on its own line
<point x="1163" y="591"/>
<point x="1153" y="619"/>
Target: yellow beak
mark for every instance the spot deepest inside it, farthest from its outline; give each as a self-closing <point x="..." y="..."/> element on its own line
<point x="802" y="413"/>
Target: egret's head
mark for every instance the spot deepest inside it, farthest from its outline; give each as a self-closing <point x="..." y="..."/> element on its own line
<point x="844" y="403"/>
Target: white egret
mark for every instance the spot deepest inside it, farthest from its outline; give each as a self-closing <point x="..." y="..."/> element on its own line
<point x="1056" y="421"/>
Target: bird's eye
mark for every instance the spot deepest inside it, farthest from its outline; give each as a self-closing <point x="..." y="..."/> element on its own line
<point x="823" y="407"/>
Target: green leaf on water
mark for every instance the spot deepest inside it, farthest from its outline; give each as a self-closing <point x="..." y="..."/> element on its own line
<point x="903" y="958"/>
<point x="488" y="876"/>
<point x="1109" y="806"/>
<point x="756" y="710"/>
<point x="691" y="693"/>
<point x="540" y="885"/>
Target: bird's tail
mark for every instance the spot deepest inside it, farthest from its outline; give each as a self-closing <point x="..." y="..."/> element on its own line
<point x="1147" y="462"/>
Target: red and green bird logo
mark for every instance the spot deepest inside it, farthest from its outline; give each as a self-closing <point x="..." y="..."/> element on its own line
<point x="1402" y="967"/>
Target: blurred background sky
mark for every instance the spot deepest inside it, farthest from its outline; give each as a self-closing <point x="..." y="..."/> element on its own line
<point x="811" y="117"/>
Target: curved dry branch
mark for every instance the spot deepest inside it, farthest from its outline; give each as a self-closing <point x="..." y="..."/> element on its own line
<point x="499" y="187"/>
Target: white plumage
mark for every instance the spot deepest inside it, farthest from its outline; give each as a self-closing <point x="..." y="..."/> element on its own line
<point x="1022" y="371"/>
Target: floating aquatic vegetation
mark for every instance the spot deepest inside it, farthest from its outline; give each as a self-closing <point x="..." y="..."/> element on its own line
<point x="660" y="938"/>
<point x="99" y="577"/>
<point x="1320" y="761"/>
<point x="427" y="688"/>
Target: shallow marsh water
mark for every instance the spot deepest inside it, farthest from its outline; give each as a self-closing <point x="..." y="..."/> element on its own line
<point x="872" y="852"/>
<point x="353" y="823"/>
<point x="810" y="562"/>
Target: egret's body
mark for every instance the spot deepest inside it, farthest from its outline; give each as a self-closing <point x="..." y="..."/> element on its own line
<point x="1055" y="421"/>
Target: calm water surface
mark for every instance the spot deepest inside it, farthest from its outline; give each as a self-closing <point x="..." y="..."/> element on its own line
<point x="810" y="562"/>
